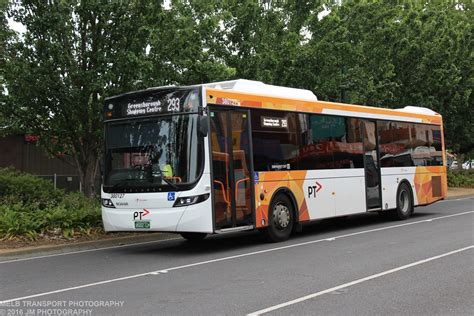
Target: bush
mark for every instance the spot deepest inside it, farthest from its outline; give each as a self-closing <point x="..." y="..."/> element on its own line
<point x="27" y="188"/>
<point x="461" y="178"/>
<point x="30" y="206"/>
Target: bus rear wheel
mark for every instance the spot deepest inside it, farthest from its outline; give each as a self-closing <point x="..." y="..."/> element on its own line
<point x="404" y="203"/>
<point x="193" y="237"/>
<point x="280" y="219"/>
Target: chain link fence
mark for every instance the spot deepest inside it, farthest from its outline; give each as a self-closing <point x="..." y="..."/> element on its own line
<point x="69" y="183"/>
<point x="65" y="182"/>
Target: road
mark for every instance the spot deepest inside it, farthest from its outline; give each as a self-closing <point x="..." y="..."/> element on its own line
<point x="362" y="265"/>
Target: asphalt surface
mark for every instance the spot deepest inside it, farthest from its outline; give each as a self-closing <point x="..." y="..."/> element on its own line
<point x="360" y="265"/>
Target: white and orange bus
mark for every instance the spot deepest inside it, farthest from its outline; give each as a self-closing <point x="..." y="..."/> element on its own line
<point x="243" y="155"/>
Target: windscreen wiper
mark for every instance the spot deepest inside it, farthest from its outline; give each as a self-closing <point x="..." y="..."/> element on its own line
<point x="123" y="182"/>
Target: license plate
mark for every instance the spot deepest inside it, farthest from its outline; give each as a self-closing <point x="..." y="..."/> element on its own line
<point x="142" y="224"/>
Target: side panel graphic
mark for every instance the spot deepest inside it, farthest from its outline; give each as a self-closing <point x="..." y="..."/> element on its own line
<point x="430" y="184"/>
<point x="327" y="193"/>
<point x="318" y="194"/>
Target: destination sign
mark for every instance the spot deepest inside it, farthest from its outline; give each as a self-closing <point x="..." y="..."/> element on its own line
<point x="144" y="108"/>
<point x="152" y="102"/>
<point x="274" y="122"/>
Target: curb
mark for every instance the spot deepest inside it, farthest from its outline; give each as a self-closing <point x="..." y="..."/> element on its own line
<point x="84" y="245"/>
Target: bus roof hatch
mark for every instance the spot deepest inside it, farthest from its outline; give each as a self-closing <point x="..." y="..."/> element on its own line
<point x="258" y="87"/>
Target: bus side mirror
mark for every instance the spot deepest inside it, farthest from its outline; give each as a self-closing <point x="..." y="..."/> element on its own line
<point x="203" y="126"/>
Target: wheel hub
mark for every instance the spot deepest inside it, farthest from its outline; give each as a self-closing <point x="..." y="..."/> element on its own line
<point x="404" y="201"/>
<point x="281" y="216"/>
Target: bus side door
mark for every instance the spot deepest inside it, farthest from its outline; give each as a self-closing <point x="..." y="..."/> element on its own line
<point x="231" y="168"/>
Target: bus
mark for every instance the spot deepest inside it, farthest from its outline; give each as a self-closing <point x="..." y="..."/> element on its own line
<point x="243" y="155"/>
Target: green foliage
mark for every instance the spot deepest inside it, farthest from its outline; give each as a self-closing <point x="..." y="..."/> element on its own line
<point x="30" y="206"/>
<point x="461" y="178"/>
<point x="376" y="53"/>
<point x="72" y="55"/>
<point x="27" y="189"/>
<point x="75" y="53"/>
<point x="371" y="52"/>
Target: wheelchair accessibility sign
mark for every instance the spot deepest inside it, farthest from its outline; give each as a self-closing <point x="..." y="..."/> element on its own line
<point x="171" y="196"/>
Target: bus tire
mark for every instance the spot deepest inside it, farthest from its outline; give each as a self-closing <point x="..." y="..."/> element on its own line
<point x="281" y="219"/>
<point x="193" y="237"/>
<point x="404" y="202"/>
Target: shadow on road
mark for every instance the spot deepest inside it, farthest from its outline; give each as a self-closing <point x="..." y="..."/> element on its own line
<point x="251" y="241"/>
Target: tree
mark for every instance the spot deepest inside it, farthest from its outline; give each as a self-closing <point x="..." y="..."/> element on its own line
<point x="184" y="45"/>
<point x="72" y="55"/>
<point x="5" y="35"/>
<point x="434" y="66"/>
<point x="381" y="54"/>
<point x="75" y="53"/>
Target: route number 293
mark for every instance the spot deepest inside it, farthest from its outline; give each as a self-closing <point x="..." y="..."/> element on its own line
<point x="173" y="105"/>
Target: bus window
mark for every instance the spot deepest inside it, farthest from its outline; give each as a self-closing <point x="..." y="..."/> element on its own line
<point x="436" y="150"/>
<point x="347" y="144"/>
<point x="395" y="144"/>
<point x="275" y="140"/>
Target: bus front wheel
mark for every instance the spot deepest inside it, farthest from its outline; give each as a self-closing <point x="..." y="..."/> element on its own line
<point x="280" y="219"/>
<point x="193" y="237"/>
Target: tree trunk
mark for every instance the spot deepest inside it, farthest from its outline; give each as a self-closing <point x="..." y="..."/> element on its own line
<point x="87" y="163"/>
<point x="89" y="177"/>
<point x="460" y="159"/>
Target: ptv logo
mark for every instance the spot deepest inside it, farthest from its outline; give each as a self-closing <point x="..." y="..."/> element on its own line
<point x="140" y="214"/>
<point x="313" y="189"/>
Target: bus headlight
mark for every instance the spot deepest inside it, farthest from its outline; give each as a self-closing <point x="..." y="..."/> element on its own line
<point x="190" y="200"/>
<point x="108" y="203"/>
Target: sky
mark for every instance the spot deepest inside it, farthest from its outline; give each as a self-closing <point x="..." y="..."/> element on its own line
<point x="18" y="27"/>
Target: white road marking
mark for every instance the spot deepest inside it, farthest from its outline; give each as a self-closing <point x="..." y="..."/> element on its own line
<point x="220" y="259"/>
<point x="88" y="250"/>
<point x="342" y="286"/>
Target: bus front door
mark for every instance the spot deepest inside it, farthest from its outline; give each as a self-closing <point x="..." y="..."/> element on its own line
<point x="231" y="168"/>
<point x="371" y="164"/>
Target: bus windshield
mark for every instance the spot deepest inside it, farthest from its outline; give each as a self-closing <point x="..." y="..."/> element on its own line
<point x="157" y="154"/>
